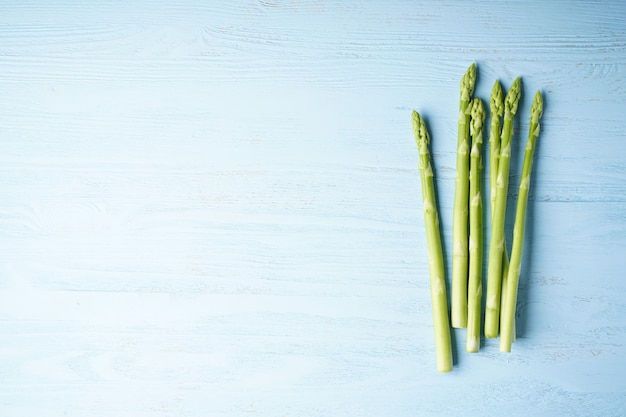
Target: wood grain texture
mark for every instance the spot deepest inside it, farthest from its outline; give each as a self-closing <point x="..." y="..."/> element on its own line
<point x="213" y="208"/>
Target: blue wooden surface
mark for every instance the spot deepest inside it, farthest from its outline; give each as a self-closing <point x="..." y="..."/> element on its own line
<point x="213" y="208"/>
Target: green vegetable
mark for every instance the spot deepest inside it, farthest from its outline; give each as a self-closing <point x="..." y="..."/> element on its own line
<point x="474" y="290"/>
<point x="461" y="202"/>
<point x="496" y="106"/>
<point x="443" y="347"/>
<point x="508" y="315"/>
<point x="497" y="109"/>
<point x="504" y="282"/>
<point x="497" y="242"/>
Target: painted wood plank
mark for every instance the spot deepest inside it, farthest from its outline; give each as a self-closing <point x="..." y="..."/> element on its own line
<point x="213" y="208"/>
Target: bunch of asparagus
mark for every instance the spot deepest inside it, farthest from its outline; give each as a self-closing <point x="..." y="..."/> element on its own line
<point x="467" y="233"/>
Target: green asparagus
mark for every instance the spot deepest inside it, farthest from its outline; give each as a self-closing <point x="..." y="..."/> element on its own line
<point x="508" y="315"/>
<point x="443" y="347"/>
<point x="497" y="109"/>
<point x="497" y="242"/>
<point x="461" y="203"/>
<point x="475" y="228"/>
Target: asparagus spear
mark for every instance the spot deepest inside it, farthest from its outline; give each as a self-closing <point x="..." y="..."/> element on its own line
<point x="508" y="315"/>
<point x="476" y="228"/>
<point x="461" y="202"/>
<point x="443" y="347"/>
<point x="497" y="109"/>
<point x="496" y="106"/>
<point x="496" y="245"/>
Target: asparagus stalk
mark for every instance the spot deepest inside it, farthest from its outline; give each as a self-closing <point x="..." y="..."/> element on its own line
<point x="496" y="245"/>
<point x="443" y="347"/>
<point x="461" y="202"/>
<point x="474" y="290"/>
<point x="504" y="282"/>
<point x="497" y="109"/>
<point x="508" y="315"/>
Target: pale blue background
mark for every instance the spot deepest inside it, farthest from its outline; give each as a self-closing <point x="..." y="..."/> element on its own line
<point x="213" y="208"/>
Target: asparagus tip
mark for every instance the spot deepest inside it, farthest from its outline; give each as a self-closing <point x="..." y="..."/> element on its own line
<point x="496" y="102"/>
<point x="467" y="83"/>
<point x="513" y="96"/>
<point x="419" y="129"/>
<point x="477" y="113"/>
<point x="536" y="110"/>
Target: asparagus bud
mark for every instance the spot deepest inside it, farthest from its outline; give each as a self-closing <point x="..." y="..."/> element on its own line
<point x="467" y="84"/>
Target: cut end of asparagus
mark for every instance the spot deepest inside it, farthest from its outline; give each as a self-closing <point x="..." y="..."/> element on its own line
<point x="505" y="347"/>
<point x="467" y="83"/>
<point x="477" y="114"/>
<point x="419" y="130"/>
<point x="472" y="344"/>
<point x="512" y="98"/>
<point x="496" y="104"/>
<point x="445" y="368"/>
